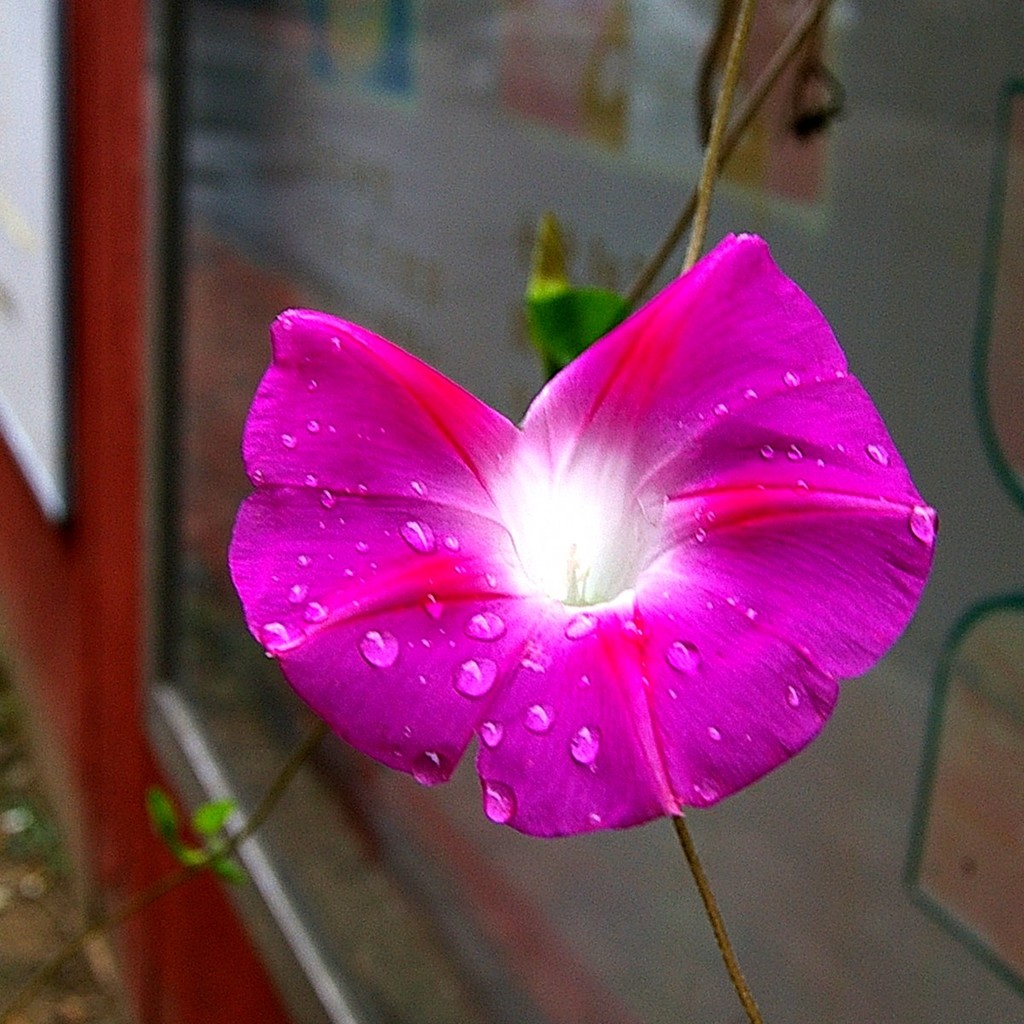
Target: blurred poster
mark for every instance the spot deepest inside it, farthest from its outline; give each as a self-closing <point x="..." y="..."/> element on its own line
<point x="367" y="43"/>
<point x="1002" y="322"/>
<point x="564" y="65"/>
<point x="32" y="399"/>
<point x="970" y="858"/>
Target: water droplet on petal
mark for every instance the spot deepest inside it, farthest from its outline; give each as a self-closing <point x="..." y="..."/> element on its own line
<point x="683" y="657"/>
<point x="288" y="440"/>
<point x="452" y="543"/>
<point x="499" y="802"/>
<point x="315" y="612"/>
<point x="362" y="547"/>
<point x="379" y="648"/>
<point x="749" y="394"/>
<point x="491" y="733"/>
<point x="714" y="733"/>
<point x="312" y="479"/>
<point x="312" y="385"/>
<point x="277" y="636"/>
<point x="721" y="409"/>
<point x="792" y="697"/>
<point x="433" y="607"/>
<point x="539" y="718"/>
<point x="700" y="535"/>
<point x="877" y="454"/>
<point x="473" y="678"/>
<point x="580" y="626"/>
<point x="313" y="426"/>
<point x="417" y="487"/>
<point x="297" y="594"/>
<point x="429" y="768"/>
<point x="767" y="451"/>
<point x="794" y="454"/>
<point x="706" y="790"/>
<point x="922" y="524"/>
<point x="258" y="476"/>
<point x="486" y="626"/>
<point x="418" y="536"/>
<point x="304" y="560"/>
<point x="585" y="745"/>
<point x="492" y="580"/>
<point x="791" y="379"/>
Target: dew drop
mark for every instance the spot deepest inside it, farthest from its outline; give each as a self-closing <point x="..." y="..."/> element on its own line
<point x="580" y="626"/>
<point x="922" y="524"/>
<point x="877" y="454"/>
<point x="486" y="626"/>
<point x="313" y="426"/>
<point x="433" y="607"/>
<point x="767" y="451"/>
<point x="258" y="476"/>
<point x="721" y="409"/>
<point x="297" y="594"/>
<point x="304" y="561"/>
<point x="706" y="790"/>
<point x="379" y="648"/>
<point x="714" y="733"/>
<point x="328" y="499"/>
<point x="288" y="440"/>
<point x="792" y="697"/>
<point x="362" y="547"/>
<point x="418" y="487"/>
<point x="312" y="479"/>
<point x="277" y="636"/>
<point x="791" y="379"/>
<point x="429" y="768"/>
<point x="499" y="802"/>
<point x="492" y="580"/>
<point x="315" y="612"/>
<point x="683" y="657"/>
<point x="700" y="535"/>
<point x="750" y="394"/>
<point x="312" y="385"/>
<point x="593" y="818"/>
<point x="539" y="718"/>
<point x="491" y="734"/>
<point x="794" y="454"/>
<point x="418" y="536"/>
<point x="452" y="543"/>
<point x="585" y="744"/>
<point x="473" y="678"/>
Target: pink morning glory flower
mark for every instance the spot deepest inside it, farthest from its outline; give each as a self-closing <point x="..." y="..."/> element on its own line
<point x="641" y="599"/>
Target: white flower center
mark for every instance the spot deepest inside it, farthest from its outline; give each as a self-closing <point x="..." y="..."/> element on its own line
<point x="578" y="539"/>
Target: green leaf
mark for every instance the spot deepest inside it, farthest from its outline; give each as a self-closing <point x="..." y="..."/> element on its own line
<point x="229" y="870"/>
<point x="191" y="856"/>
<point x="163" y="816"/>
<point x="210" y="818"/>
<point x="563" y="320"/>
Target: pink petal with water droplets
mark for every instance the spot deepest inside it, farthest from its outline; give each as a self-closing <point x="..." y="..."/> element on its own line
<point x="577" y="748"/>
<point x="378" y="421"/>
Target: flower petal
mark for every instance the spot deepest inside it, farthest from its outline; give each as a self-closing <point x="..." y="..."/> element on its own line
<point x="732" y="327"/>
<point x="755" y="618"/>
<point x="567" y="744"/>
<point x="344" y="409"/>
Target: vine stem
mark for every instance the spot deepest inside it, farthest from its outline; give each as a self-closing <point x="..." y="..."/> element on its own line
<point x="709" y="172"/>
<point x="35" y="983"/>
<point x="790" y="46"/>
<point x="717" y="923"/>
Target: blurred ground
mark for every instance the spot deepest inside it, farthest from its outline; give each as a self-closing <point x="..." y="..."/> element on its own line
<point x="37" y="906"/>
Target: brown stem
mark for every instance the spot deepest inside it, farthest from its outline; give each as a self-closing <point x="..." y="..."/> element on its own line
<point x="717" y="924"/>
<point x="790" y="46"/>
<point x="45" y="972"/>
<point x="709" y="172"/>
